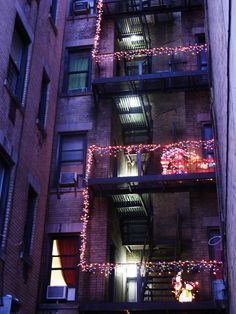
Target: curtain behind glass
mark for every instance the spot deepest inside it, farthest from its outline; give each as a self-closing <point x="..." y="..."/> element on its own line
<point x="78" y="73"/>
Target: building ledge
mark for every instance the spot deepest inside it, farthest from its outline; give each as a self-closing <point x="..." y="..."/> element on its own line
<point x="148" y="306"/>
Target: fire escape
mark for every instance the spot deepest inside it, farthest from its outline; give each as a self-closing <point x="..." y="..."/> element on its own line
<point x="132" y="90"/>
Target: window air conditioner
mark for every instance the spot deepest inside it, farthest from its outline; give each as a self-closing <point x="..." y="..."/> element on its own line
<point x="81" y="7"/>
<point x="68" y="178"/>
<point x="56" y="292"/>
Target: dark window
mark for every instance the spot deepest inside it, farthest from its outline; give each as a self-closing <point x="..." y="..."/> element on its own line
<point x="78" y="71"/>
<point x="137" y="66"/>
<point x="207" y="134"/>
<point x="64" y="263"/>
<point x="4" y="184"/>
<point x="29" y="223"/>
<point x="71" y="157"/>
<point x="43" y="101"/>
<point x="82" y="7"/>
<point x="17" y="61"/>
<point x="202" y="57"/>
<point x="53" y="10"/>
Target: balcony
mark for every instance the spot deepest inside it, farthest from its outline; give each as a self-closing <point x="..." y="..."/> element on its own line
<point x="147" y="168"/>
<point x="123" y="8"/>
<point x="150" y="292"/>
<point x="150" y="74"/>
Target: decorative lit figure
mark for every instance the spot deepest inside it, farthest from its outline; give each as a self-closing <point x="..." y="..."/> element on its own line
<point x="187" y="294"/>
<point x="177" y="283"/>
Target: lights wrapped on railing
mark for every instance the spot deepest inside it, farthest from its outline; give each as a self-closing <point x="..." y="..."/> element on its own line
<point x="131" y="54"/>
<point x="180" y="150"/>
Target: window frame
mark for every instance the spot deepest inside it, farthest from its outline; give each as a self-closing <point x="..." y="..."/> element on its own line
<point x="84" y="52"/>
<point x="83" y="135"/>
<point x="205" y="152"/>
<point x="4" y="196"/>
<point x="92" y="9"/>
<point x="53" y="11"/>
<point x="50" y="256"/>
<point x="43" y="103"/>
<point x="17" y="90"/>
<point x="30" y="224"/>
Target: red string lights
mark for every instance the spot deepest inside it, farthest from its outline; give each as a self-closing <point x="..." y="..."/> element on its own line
<point x="171" y="153"/>
<point x="131" y="54"/>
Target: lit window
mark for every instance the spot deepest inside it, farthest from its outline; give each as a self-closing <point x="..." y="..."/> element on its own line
<point x="64" y="262"/>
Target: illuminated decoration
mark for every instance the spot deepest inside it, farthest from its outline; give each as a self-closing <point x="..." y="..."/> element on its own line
<point x="182" y="150"/>
<point x="98" y="28"/>
<point x="184" y="291"/>
<point x="183" y="157"/>
<point x="131" y="54"/>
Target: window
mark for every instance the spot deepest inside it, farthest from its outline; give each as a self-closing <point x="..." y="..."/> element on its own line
<point x="53" y="10"/>
<point x="207" y="134"/>
<point x="78" y="72"/>
<point x="137" y="66"/>
<point x="43" y="101"/>
<point x="72" y="155"/>
<point x="29" y="223"/>
<point x="4" y="183"/>
<point x="17" y="61"/>
<point x="82" y="7"/>
<point x="202" y="57"/>
<point x="64" y="263"/>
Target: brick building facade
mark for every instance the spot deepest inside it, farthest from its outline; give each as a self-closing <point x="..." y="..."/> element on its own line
<point x="29" y="63"/>
<point x="89" y="88"/>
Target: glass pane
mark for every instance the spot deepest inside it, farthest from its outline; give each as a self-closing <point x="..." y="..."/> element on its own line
<point x="78" y="81"/>
<point x="64" y="261"/>
<point x="17" y="47"/>
<point x="2" y="174"/>
<point x="57" y="278"/>
<point x="72" y="156"/>
<point x="78" y="63"/>
<point x="73" y="142"/>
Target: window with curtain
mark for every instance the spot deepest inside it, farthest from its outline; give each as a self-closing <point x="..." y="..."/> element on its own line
<point x="78" y="75"/>
<point x="64" y="261"/>
<point x="17" y="61"/>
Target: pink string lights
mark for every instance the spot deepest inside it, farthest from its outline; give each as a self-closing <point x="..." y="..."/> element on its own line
<point x="183" y="148"/>
<point x="131" y="54"/>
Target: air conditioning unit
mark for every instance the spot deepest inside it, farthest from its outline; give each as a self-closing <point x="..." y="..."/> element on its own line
<point x="68" y="178"/>
<point x="56" y="292"/>
<point x="81" y="7"/>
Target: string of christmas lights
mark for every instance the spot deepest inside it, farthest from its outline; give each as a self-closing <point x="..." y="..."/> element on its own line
<point x="98" y="28"/>
<point x="193" y="49"/>
<point x="131" y="54"/>
<point x="162" y="267"/>
<point x="106" y="268"/>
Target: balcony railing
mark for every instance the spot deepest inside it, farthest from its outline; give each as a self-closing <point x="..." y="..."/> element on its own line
<point x="140" y="160"/>
<point x="127" y="7"/>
